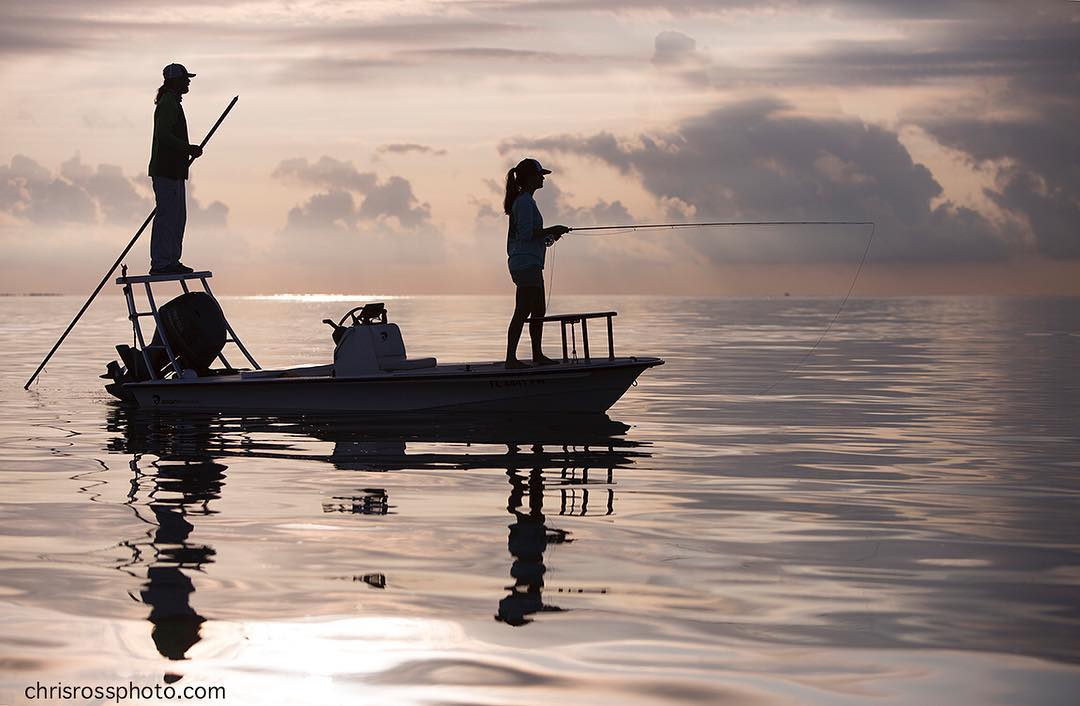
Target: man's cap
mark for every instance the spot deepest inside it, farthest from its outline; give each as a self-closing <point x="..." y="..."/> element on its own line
<point x="531" y="165"/>
<point x="175" y="71"/>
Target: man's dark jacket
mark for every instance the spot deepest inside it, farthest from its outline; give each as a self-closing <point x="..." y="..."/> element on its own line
<point x="169" y="154"/>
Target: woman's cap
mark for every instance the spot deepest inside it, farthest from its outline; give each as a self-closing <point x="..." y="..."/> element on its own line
<point x="175" y="71"/>
<point x="531" y="165"/>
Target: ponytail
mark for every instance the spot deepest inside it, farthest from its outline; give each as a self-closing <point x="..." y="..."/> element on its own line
<point x="512" y="190"/>
<point x="161" y="89"/>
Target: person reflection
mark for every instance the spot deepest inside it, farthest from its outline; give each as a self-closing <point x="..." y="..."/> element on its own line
<point x="529" y="537"/>
<point x="179" y="491"/>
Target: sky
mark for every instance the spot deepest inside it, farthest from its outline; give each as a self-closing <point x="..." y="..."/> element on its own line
<point x="369" y="147"/>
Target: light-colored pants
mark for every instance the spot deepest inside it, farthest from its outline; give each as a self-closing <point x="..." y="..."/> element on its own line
<point x="167" y="236"/>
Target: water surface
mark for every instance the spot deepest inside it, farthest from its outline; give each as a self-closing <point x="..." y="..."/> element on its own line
<point x="896" y="521"/>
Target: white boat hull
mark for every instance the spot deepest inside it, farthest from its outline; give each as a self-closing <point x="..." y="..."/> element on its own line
<point x="580" y="387"/>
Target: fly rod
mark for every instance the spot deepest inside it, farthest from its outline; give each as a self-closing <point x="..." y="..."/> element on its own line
<point x="112" y="269"/>
<point x="655" y="226"/>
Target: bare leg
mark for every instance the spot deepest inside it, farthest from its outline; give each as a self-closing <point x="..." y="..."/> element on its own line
<point x="536" y="329"/>
<point x="522" y="309"/>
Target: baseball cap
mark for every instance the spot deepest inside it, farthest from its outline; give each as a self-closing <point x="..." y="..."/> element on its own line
<point x="531" y="165"/>
<point x="175" y="71"/>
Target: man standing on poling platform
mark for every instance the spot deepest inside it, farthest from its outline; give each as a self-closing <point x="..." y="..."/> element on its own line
<point x="170" y="156"/>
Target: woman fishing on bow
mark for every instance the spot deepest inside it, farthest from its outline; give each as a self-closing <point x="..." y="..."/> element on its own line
<point x="526" y="242"/>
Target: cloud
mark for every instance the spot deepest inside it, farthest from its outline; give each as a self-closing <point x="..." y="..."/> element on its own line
<point x="1050" y="51"/>
<point x="394" y="198"/>
<point x="114" y="193"/>
<point x="31" y="192"/>
<point x="335" y="208"/>
<point x="355" y="220"/>
<point x="1035" y="162"/>
<point x="85" y="194"/>
<point x="868" y="9"/>
<point x="558" y="206"/>
<point x="329" y="211"/>
<point x="326" y="172"/>
<point x="407" y="147"/>
<point x="677" y="53"/>
<point x="674" y="48"/>
<point x="214" y="215"/>
<point x="756" y="160"/>
<point x="337" y="68"/>
<point x="18" y="41"/>
<point x="499" y="54"/>
<point x="563" y="211"/>
<point x="396" y="31"/>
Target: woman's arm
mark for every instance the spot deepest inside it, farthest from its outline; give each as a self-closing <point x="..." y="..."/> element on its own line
<point x="555" y="232"/>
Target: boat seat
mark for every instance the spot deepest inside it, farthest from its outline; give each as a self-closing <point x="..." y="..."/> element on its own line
<point x="371" y="348"/>
<point x="390" y="350"/>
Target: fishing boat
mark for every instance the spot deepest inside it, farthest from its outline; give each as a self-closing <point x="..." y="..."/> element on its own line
<point x="183" y="365"/>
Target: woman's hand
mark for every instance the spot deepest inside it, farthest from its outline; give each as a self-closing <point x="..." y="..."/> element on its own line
<point x="557" y="232"/>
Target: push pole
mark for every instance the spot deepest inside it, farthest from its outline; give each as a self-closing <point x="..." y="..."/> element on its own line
<point x="112" y="269"/>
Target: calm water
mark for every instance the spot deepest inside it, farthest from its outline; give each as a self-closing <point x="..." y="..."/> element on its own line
<point x="896" y="523"/>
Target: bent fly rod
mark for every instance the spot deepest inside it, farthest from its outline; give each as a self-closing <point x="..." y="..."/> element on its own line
<point x="123" y="254"/>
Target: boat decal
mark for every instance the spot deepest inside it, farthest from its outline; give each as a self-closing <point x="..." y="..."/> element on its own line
<point x="516" y="382"/>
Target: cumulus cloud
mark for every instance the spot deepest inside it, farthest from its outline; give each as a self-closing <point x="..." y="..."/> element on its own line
<point x="115" y="194"/>
<point x="757" y="161"/>
<point x="29" y="191"/>
<point x="563" y="209"/>
<point x="335" y="209"/>
<point x="83" y="194"/>
<point x="326" y="172"/>
<point x="1035" y="161"/>
<point x="214" y="215"/>
<point x="558" y="206"/>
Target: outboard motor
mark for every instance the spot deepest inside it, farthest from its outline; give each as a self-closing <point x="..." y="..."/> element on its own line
<point x="194" y="325"/>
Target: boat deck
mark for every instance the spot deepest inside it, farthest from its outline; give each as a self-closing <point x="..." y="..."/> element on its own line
<point x="482" y="369"/>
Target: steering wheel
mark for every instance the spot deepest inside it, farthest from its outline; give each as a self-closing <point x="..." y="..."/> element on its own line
<point x="352" y="313"/>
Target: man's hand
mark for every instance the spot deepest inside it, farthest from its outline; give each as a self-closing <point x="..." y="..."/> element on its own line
<point x="195" y="151"/>
<point x="559" y="231"/>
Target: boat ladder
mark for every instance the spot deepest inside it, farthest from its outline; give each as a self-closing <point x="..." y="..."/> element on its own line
<point x="134" y="315"/>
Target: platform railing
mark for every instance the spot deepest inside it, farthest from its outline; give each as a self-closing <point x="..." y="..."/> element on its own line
<point x="571" y="320"/>
<point x="134" y="315"/>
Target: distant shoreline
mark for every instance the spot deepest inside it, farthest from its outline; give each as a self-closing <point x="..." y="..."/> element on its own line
<point x="32" y="294"/>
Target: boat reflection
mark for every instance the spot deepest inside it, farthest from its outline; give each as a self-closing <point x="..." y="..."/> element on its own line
<point x="178" y="472"/>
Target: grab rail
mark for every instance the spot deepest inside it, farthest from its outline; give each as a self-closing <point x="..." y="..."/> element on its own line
<point x="571" y="320"/>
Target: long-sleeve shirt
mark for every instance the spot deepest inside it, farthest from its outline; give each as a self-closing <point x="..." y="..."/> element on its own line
<point x="523" y="248"/>
<point x="169" y="153"/>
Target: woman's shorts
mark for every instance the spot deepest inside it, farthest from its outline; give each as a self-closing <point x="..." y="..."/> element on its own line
<point x="531" y="277"/>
